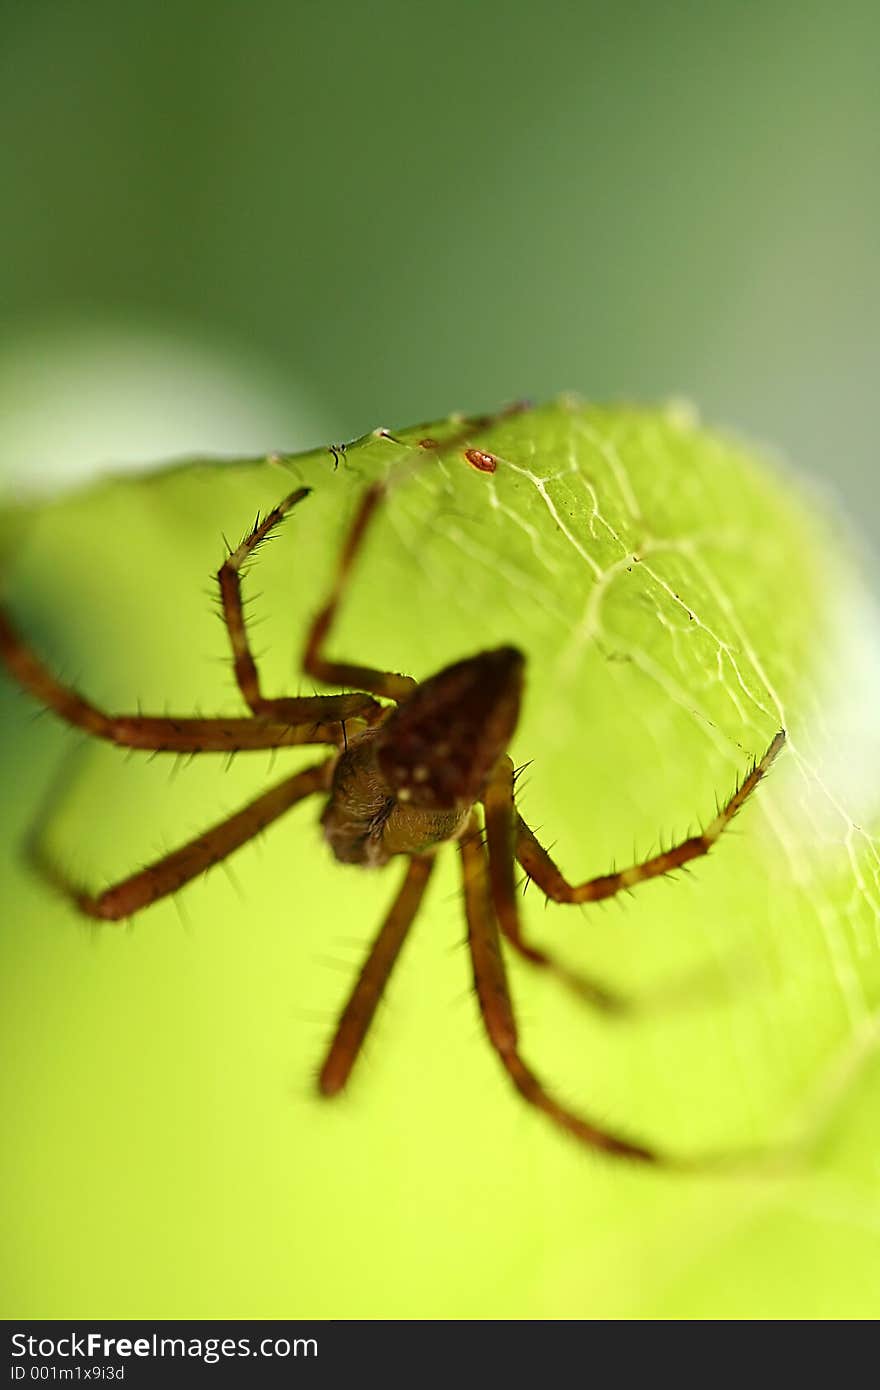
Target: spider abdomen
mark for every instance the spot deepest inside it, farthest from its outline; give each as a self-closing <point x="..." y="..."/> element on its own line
<point x="437" y="748"/>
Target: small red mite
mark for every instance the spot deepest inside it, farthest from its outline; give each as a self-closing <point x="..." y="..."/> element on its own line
<point x="410" y="765"/>
<point x="486" y="463"/>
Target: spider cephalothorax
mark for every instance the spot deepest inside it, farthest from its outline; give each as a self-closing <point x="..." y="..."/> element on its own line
<point x="405" y="777"/>
<point x="409" y="782"/>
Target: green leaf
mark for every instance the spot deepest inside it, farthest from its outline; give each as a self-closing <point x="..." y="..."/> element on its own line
<point x="679" y="599"/>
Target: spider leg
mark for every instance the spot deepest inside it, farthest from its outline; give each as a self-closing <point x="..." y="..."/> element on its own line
<point x="289" y="709"/>
<point x="173" y="870"/>
<point x="490" y="979"/>
<point x="388" y="684"/>
<point x="501" y="819"/>
<point x="323" y="715"/>
<point x="356" y="1017"/>
<point x="539" y="866"/>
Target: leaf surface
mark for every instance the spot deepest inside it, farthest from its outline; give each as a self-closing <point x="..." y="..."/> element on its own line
<point x="679" y="599"/>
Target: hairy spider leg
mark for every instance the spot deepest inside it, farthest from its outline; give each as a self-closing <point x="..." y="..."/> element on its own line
<point x="500" y="809"/>
<point x="496" y="1007"/>
<point x="172" y="871"/>
<point x="356" y="1017"/>
<point x="539" y="866"/>
<point x="291" y="709"/>
<point x="388" y="684"/>
<point x="323" y="715"/>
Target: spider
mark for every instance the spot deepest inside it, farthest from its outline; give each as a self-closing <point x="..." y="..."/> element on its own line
<point x="404" y="778"/>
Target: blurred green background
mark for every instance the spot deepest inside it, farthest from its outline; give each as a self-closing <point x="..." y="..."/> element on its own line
<point x="236" y="227"/>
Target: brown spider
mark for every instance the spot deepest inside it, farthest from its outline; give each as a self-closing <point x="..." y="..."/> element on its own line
<point x="404" y="778"/>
